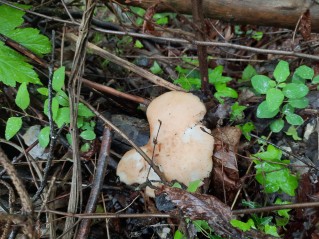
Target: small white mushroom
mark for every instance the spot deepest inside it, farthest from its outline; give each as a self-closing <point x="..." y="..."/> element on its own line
<point x="183" y="152"/>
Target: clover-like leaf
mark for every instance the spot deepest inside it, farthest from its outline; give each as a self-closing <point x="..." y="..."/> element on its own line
<point x="44" y="137"/>
<point x="294" y="119"/>
<point x="13" y="126"/>
<point x="295" y="90"/>
<point x="281" y="71"/>
<point x="274" y="99"/>
<point x="263" y="111"/>
<point x="305" y="72"/>
<point x="262" y="83"/>
<point x="23" y="98"/>
<point x="277" y="125"/>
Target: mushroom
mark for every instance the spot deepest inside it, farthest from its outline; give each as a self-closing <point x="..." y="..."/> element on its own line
<point x="182" y="150"/>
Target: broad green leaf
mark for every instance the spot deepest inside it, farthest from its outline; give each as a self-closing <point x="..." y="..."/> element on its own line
<point x="138" y="44"/>
<point x="188" y="83"/>
<point x="63" y="116"/>
<point x="272" y="154"/>
<point x="294" y="119"/>
<point x="179" y="235"/>
<point x="274" y="99"/>
<point x="297" y="79"/>
<point x="244" y="226"/>
<point x="277" y="125"/>
<point x="88" y="135"/>
<point x="224" y="92"/>
<point x="43" y="91"/>
<point x="293" y="133"/>
<point x="261" y="83"/>
<point x="13" y="68"/>
<point x="162" y="21"/>
<point x="23" y="98"/>
<point x="257" y="35"/>
<point x="214" y="75"/>
<point x="10" y="18"/>
<point x="31" y="39"/>
<point x="263" y="111"/>
<point x="300" y="103"/>
<point x="193" y="186"/>
<point x="305" y="72"/>
<point x="315" y="80"/>
<point x="246" y="129"/>
<point x="85" y="147"/>
<point x="283" y="212"/>
<point x="55" y="107"/>
<point x="287" y="109"/>
<point x="271" y="230"/>
<point x="62" y="98"/>
<point x="58" y="79"/>
<point x="248" y="73"/>
<point x="13" y="126"/>
<point x="84" y="111"/>
<point x="294" y="90"/>
<point x="44" y="137"/>
<point x="281" y="71"/>
<point x="281" y="85"/>
<point x="177" y="185"/>
<point x="156" y="69"/>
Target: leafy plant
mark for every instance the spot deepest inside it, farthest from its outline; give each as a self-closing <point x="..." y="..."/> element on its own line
<point x="273" y="173"/>
<point x="283" y="97"/>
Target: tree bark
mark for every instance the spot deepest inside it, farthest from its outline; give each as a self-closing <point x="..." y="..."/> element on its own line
<point x="283" y="13"/>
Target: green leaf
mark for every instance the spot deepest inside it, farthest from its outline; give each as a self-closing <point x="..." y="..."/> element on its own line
<point x="156" y="69"/>
<point x="62" y="98"/>
<point x="31" y="39"/>
<point x="23" y="98"/>
<point x="274" y="99"/>
<point x="179" y="235"/>
<point x="294" y="90"/>
<point x="10" y="18"/>
<point x="237" y="112"/>
<point x="177" y="185"/>
<point x="214" y="75"/>
<point x="294" y="119"/>
<point x="188" y="83"/>
<point x="272" y="154"/>
<point x="193" y="186"/>
<point x="315" y="80"/>
<point x="13" y="68"/>
<point x="281" y="71"/>
<point x="244" y="226"/>
<point x="138" y="44"/>
<point x="283" y="212"/>
<point x="262" y="83"/>
<point x="224" y="92"/>
<point x="44" y="137"/>
<point x="257" y="35"/>
<point x="263" y="111"/>
<point x="300" y="103"/>
<point x="246" y="129"/>
<point x="58" y="79"/>
<point x="43" y="91"/>
<point x="277" y="125"/>
<point x="88" y="135"/>
<point x="85" y="147"/>
<point x="271" y="230"/>
<point x="162" y="21"/>
<point x="63" y="116"/>
<point x="84" y="111"/>
<point x="287" y="109"/>
<point x="293" y="133"/>
<point x="13" y="126"/>
<point x="248" y="73"/>
<point x="55" y="107"/>
<point x="305" y="72"/>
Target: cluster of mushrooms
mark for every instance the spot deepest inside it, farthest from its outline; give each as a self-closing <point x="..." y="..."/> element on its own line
<point x="180" y="145"/>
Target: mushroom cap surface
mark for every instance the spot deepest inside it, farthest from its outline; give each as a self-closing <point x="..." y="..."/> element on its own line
<point x="183" y="151"/>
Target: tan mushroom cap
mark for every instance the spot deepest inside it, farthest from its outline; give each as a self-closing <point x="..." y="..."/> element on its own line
<point x="183" y="151"/>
